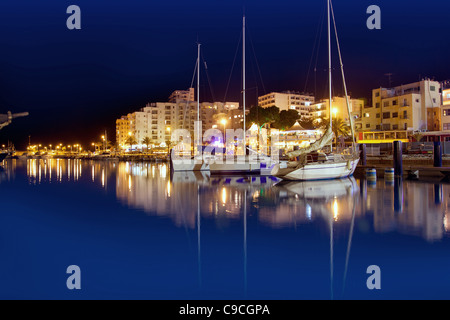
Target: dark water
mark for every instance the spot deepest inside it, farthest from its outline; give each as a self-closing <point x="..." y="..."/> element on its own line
<point x="138" y="233"/>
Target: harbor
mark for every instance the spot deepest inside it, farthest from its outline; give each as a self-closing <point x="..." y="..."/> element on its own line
<point x="143" y="222"/>
<point x="232" y="159"/>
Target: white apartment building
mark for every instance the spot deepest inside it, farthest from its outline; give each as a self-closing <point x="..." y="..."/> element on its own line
<point x="182" y="95"/>
<point x="445" y="112"/>
<point x="158" y="120"/>
<point x="288" y="100"/>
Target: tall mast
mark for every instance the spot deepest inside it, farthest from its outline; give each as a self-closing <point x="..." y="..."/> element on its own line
<point x="329" y="61"/>
<point x="243" y="77"/>
<point x="198" y="81"/>
<point x="352" y="127"/>
<point x="198" y="95"/>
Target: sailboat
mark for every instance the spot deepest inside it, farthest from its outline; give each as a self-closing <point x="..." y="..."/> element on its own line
<point x="196" y="163"/>
<point x="312" y="163"/>
<point x="254" y="162"/>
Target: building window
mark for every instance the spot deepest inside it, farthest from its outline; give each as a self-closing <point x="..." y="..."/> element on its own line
<point x="367" y="125"/>
<point x="378" y="127"/>
<point x="394" y="114"/>
<point x="432" y="88"/>
<point x="378" y="115"/>
<point x="377" y="105"/>
<point x="377" y="94"/>
<point x="446" y="126"/>
<point x="395" y="127"/>
<point x="394" y="102"/>
<point x="386" y="115"/>
<point x="386" y="104"/>
<point x="446" y="112"/>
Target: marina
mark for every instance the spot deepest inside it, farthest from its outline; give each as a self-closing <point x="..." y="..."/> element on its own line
<point x="218" y="156"/>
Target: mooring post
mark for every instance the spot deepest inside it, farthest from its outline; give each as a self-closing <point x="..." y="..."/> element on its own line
<point x="398" y="160"/>
<point x="437" y="154"/>
<point x="398" y="195"/>
<point x="363" y="154"/>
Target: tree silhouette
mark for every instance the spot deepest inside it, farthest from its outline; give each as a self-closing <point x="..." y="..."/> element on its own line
<point x="131" y="140"/>
<point x="262" y="116"/>
<point x="286" y="119"/>
<point x="146" y="141"/>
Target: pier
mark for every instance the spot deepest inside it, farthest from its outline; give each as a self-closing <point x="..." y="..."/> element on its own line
<point x="403" y="167"/>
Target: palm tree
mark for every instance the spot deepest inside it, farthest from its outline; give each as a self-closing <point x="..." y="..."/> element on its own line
<point x="131" y="140"/>
<point x="146" y="141"/>
<point x="339" y="126"/>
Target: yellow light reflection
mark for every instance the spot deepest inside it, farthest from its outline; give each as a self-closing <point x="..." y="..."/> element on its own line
<point x="224" y="196"/>
<point x="335" y="210"/>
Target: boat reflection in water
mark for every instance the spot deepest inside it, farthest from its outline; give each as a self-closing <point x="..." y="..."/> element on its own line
<point x="238" y="236"/>
<point x="407" y="207"/>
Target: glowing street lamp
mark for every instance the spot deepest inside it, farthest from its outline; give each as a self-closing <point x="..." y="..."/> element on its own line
<point x="335" y="112"/>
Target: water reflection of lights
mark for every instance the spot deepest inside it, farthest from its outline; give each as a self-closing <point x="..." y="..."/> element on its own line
<point x="224" y="196"/>
<point x="308" y="212"/>
<point x="168" y="189"/>
<point x="446" y="222"/>
<point x="163" y="171"/>
<point x="147" y="187"/>
<point x="335" y="209"/>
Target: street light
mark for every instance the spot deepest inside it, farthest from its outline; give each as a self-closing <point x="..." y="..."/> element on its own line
<point x="335" y="112"/>
<point x="104" y="143"/>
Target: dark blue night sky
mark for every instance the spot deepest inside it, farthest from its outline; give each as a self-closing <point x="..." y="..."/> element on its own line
<point x="75" y="83"/>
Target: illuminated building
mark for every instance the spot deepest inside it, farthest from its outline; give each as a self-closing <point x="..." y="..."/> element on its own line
<point x="410" y="107"/>
<point x="157" y="120"/>
<point x="339" y="109"/>
<point x="288" y="100"/>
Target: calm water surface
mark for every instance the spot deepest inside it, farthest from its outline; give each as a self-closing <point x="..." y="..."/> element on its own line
<point x="137" y="232"/>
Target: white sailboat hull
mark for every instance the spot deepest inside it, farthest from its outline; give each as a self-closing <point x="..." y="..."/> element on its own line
<point x="235" y="168"/>
<point x="188" y="165"/>
<point x="317" y="171"/>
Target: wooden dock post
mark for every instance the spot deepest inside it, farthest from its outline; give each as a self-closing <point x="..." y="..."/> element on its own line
<point x="437" y="154"/>
<point x="363" y="155"/>
<point x="398" y="160"/>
